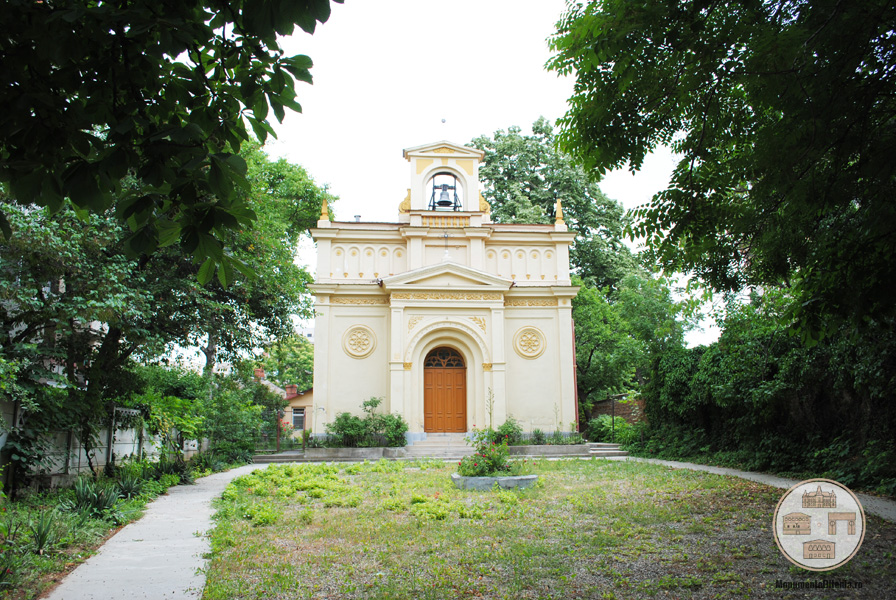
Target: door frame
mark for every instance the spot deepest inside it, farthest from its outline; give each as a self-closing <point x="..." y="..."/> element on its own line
<point x="459" y="402"/>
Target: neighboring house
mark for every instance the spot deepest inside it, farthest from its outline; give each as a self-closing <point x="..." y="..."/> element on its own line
<point x="455" y="321"/>
<point x="300" y="411"/>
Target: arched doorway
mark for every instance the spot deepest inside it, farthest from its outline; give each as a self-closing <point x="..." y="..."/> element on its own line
<point x="444" y="391"/>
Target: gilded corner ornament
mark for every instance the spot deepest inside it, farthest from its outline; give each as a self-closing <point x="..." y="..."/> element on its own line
<point x="486" y="366"/>
<point x="484" y="206"/>
<point x="405" y="205"/>
<point x="408" y="366"/>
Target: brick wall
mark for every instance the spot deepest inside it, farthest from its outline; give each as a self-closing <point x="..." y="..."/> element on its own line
<point x="630" y="409"/>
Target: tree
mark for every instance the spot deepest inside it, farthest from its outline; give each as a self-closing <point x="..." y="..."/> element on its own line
<point x="783" y="113"/>
<point x="524" y="176"/>
<point x="621" y="334"/>
<point x="606" y="354"/>
<point x="252" y="311"/>
<point x="289" y="361"/>
<point x="164" y="91"/>
<point x="74" y="311"/>
<point x="75" y="308"/>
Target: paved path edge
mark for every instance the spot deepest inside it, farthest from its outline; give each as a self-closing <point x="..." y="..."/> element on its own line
<point x="881" y="507"/>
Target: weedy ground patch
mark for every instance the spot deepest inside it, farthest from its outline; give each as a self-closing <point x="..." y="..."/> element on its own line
<point x="590" y="529"/>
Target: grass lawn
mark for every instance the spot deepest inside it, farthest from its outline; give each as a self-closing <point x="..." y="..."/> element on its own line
<point x="590" y="529"/>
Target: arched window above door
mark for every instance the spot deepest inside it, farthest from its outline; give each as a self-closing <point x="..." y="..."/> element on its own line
<point x="445" y="358"/>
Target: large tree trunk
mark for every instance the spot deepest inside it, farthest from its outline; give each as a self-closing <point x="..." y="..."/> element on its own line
<point x="211" y="354"/>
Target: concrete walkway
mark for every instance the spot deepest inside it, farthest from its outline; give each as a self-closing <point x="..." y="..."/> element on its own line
<point x="160" y="557"/>
<point x="883" y="508"/>
<point x="157" y="557"/>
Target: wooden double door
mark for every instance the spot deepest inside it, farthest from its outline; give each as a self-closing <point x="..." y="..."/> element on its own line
<point x="444" y="391"/>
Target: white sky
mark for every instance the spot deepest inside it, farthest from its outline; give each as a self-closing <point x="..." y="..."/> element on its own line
<point x="387" y="73"/>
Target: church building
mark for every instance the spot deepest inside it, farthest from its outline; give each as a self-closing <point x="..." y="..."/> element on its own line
<point x="455" y="321"/>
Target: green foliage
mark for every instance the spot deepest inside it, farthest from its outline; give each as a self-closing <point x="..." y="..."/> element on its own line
<point x="246" y="312"/>
<point x="491" y="458"/>
<point x="348" y="430"/>
<point x="234" y="415"/>
<point x="373" y="430"/>
<point x="620" y="333"/>
<point x="523" y="177"/>
<point x="94" y="499"/>
<point x="511" y="431"/>
<point x="130" y="485"/>
<point x="43" y="531"/>
<point x="760" y="399"/>
<point x="290" y="360"/>
<point x="603" y="429"/>
<point x="262" y="514"/>
<point x="164" y="92"/>
<point x="65" y="273"/>
<point x="781" y="113"/>
<point x="538" y="437"/>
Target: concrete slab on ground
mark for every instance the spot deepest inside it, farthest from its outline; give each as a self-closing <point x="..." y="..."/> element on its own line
<point x="157" y="557"/>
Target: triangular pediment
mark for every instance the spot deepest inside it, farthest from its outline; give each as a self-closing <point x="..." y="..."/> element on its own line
<point x="446" y="275"/>
<point x="445" y="149"/>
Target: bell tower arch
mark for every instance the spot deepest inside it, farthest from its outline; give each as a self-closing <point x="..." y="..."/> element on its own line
<point x="451" y="167"/>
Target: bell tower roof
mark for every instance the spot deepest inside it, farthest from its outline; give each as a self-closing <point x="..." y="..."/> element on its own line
<point x="443" y="149"/>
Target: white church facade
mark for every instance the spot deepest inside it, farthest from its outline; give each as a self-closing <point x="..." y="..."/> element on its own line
<point x="448" y="317"/>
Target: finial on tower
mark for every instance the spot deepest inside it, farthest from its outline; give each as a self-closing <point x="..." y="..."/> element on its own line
<point x="324" y="210"/>
<point x="558" y="212"/>
<point x="324" y="219"/>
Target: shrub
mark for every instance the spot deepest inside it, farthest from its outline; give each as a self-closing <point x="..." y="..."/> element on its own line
<point x="490" y="459"/>
<point x="510" y="431"/>
<point x="43" y="531"/>
<point x="394" y="429"/>
<point x="601" y="429"/>
<point x="130" y="485"/>
<point x="348" y="430"/>
<point x="94" y="499"/>
<point x="538" y="437"/>
<point x="178" y="467"/>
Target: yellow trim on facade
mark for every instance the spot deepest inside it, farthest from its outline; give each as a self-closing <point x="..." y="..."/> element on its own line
<point x="466" y="164"/>
<point x="423" y="164"/>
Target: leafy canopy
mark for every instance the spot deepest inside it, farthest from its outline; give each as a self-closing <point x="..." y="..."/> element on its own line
<point x="166" y="91"/>
<point x="783" y="112"/>
<point x="522" y="178"/>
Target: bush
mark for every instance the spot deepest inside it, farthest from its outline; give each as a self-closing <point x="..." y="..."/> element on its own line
<point x="178" y="467"/>
<point x="601" y="429"/>
<point x="372" y="430"/>
<point x="394" y="429"/>
<point x="510" y="431"/>
<point x="491" y="459"/>
<point x="538" y="437"/>
<point x="348" y="430"/>
<point x="93" y="499"/>
<point x="130" y="485"/>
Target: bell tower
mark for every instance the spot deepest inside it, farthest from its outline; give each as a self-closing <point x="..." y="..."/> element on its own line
<point x="444" y="178"/>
